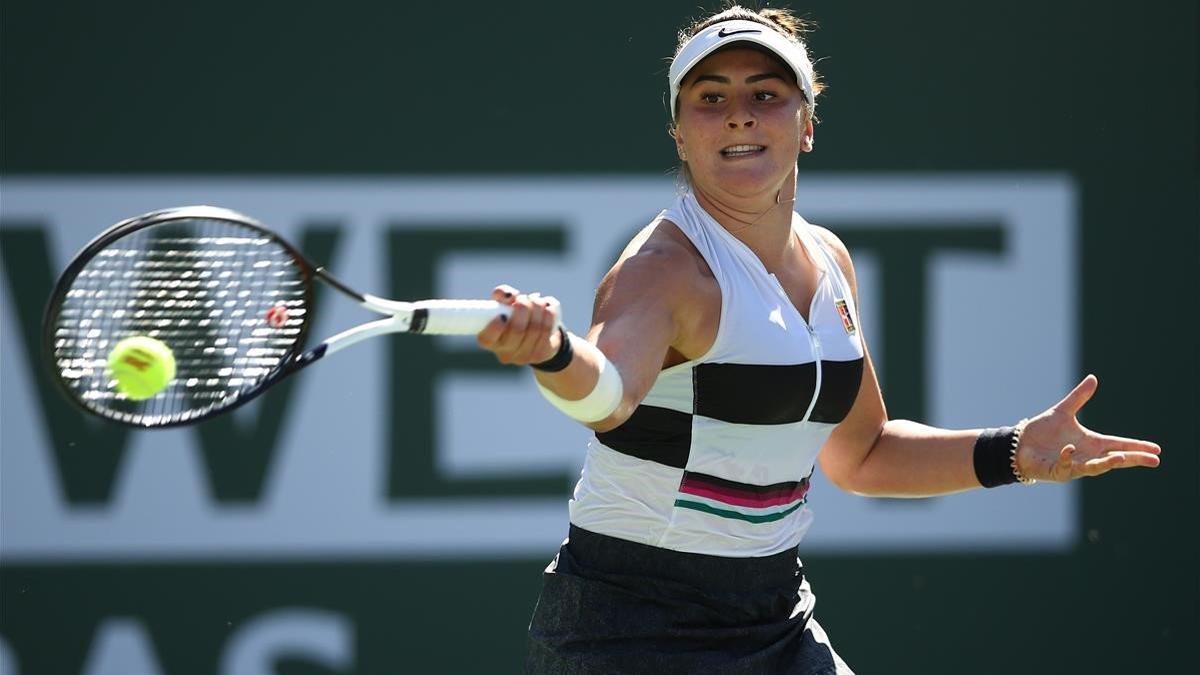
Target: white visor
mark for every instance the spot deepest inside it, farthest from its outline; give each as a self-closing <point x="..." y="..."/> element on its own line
<point x="728" y="32"/>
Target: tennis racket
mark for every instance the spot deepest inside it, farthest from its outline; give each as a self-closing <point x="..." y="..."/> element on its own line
<point x="229" y="297"/>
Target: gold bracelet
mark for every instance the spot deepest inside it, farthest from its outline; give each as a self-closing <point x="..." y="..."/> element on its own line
<point x="1016" y="440"/>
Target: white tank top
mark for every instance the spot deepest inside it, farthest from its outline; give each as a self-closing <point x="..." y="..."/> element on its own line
<point x="717" y="458"/>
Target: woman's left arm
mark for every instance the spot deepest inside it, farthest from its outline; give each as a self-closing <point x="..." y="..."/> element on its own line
<point x="871" y="455"/>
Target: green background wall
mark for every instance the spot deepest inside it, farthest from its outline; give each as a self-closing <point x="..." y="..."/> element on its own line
<point x="1104" y="91"/>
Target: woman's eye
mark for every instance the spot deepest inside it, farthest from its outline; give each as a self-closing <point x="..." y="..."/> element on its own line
<point x="711" y="98"/>
<point x="764" y="96"/>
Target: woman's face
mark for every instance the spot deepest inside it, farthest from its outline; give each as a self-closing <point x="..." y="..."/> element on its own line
<point x="741" y="123"/>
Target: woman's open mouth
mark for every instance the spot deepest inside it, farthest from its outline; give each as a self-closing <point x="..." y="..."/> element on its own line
<point x="742" y="150"/>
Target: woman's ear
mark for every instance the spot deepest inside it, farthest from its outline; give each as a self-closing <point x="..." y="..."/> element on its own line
<point x="679" y="149"/>
<point x="806" y="138"/>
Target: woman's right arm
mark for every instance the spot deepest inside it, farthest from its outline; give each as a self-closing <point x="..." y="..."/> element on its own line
<point x="641" y="310"/>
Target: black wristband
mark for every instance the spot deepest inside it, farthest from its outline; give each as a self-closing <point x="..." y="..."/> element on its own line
<point x="560" y="360"/>
<point x="993" y="457"/>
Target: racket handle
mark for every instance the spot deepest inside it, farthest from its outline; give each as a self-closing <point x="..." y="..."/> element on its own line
<point x="457" y="317"/>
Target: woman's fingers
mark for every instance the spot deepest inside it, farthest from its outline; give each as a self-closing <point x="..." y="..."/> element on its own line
<point x="1107" y="442"/>
<point x="1118" y="460"/>
<point x="1080" y="395"/>
<point x="534" y="346"/>
<point x="1105" y="453"/>
<point x="504" y="294"/>
<point x="490" y="335"/>
<point x="489" y="338"/>
<point x="524" y="336"/>
<point x="1064" y="466"/>
<point x="514" y="330"/>
<point x="1074" y="462"/>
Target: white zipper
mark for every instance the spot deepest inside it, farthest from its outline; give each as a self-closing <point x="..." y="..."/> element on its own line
<point x="814" y="342"/>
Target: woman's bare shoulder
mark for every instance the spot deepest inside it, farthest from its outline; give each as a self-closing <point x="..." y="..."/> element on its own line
<point x="838" y="248"/>
<point x="662" y="272"/>
<point x="666" y="252"/>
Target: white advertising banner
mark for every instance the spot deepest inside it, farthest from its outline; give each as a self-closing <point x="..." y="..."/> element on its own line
<point x="997" y="329"/>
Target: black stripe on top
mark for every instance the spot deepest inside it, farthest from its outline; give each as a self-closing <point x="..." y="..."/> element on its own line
<point x="656" y="434"/>
<point x="760" y="394"/>
<point x="840" y="381"/>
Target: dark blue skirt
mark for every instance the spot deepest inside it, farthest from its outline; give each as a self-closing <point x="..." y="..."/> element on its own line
<point x="614" y="606"/>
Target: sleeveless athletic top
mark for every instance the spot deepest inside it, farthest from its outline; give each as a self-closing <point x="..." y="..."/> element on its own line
<point x="718" y="456"/>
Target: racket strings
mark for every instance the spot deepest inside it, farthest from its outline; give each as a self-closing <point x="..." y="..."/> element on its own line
<point x="203" y="287"/>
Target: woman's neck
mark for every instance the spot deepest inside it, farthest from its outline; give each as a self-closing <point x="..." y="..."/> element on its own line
<point x="765" y="227"/>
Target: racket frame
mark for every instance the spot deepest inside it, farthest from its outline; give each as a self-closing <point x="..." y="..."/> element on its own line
<point x="402" y="317"/>
<point x="124" y="228"/>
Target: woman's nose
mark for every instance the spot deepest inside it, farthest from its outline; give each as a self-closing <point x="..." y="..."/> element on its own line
<point x="740" y="117"/>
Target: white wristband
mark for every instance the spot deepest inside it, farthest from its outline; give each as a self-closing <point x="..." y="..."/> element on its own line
<point x="600" y="403"/>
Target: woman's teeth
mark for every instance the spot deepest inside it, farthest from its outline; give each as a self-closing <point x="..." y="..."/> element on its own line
<point x="741" y="150"/>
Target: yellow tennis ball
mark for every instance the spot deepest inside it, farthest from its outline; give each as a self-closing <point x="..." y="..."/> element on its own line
<point x="142" y="366"/>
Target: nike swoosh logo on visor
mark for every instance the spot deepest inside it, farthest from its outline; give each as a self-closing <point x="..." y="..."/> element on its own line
<point x="722" y="34"/>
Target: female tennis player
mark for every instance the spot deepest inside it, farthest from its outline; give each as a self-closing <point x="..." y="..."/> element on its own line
<point x="724" y="360"/>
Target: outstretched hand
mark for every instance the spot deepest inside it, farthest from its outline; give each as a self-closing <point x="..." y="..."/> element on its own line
<point x="1055" y="447"/>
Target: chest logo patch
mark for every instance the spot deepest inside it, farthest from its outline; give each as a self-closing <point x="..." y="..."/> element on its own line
<point x="847" y="320"/>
